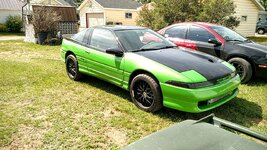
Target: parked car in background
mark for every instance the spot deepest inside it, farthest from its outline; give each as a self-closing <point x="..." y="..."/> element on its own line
<point x="249" y="58"/>
<point x="155" y="71"/>
<point x="261" y="27"/>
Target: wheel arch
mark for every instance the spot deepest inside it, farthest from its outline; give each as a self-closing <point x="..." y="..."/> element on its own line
<point x="140" y="71"/>
<point x="246" y="58"/>
<point x="260" y="28"/>
<point x="69" y="53"/>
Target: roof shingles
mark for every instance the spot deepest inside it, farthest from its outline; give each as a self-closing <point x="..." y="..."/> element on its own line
<point x="50" y="2"/>
<point x="11" y="4"/>
<point x="122" y="4"/>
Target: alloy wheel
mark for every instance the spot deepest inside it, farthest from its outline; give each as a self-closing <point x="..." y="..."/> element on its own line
<point x="71" y="68"/>
<point x="239" y="68"/>
<point x="261" y="31"/>
<point x="143" y="94"/>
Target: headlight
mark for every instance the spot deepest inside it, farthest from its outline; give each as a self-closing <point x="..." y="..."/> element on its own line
<point x="202" y="84"/>
<point x="192" y="85"/>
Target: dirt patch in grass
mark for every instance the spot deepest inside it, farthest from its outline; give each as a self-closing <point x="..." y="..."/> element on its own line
<point x="25" y="56"/>
<point x="111" y="112"/>
<point x="260" y="122"/>
<point x="116" y="136"/>
<point x="27" y="137"/>
<point x="19" y="56"/>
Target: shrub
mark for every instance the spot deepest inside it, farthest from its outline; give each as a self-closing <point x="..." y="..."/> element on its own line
<point x="14" y="23"/>
<point x="167" y="12"/>
<point x="3" y="28"/>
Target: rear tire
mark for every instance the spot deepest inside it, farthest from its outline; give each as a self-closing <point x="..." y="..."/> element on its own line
<point x="261" y="31"/>
<point x="243" y="68"/>
<point x="146" y="93"/>
<point x="72" y="68"/>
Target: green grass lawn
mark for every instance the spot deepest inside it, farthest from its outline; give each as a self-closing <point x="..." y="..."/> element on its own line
<point x="261" y="40"/>
<point x="40" y="108"/>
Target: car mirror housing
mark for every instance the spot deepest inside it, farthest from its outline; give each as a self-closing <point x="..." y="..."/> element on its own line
<point x="115" y="51"/>
<point x="215" y="41"/>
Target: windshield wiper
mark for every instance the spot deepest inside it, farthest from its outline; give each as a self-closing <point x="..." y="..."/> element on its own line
<point x="145" y="49"/>
<point x="235" y="40"/>
<point x="167" y="47"/>
<point x="248" y="40"/>
<point x="150" y="49"/>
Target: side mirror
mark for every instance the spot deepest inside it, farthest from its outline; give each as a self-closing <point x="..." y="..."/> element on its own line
<point x="115" y="51"/>
<point x="214" y="41"/>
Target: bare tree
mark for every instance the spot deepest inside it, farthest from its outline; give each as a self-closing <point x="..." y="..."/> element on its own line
<point x="45" y="19"/>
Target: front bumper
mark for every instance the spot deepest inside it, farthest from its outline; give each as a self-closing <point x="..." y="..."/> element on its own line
<point x="62" y="54"/>
<point x="261" y="71"/>
<point x="199" y="100"/>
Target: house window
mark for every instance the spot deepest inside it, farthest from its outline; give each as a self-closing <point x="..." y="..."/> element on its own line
<point x="128" y="15"/>
<point x="244" y="18"/>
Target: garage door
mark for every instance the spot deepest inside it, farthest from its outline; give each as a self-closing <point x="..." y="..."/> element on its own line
<point x="94" y="19"/>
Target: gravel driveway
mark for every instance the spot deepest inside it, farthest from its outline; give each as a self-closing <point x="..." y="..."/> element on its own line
<point x="12" y="37"/>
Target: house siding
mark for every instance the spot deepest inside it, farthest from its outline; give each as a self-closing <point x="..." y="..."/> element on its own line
<point x="95" y="8"/>
<point x="249" y="9"/>
<point x="5" y="13"/>
<point x="113" y="15"/>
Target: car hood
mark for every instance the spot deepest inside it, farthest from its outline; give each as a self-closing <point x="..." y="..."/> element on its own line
<point x="254" y="46"/>
<point x="182" y="60"/>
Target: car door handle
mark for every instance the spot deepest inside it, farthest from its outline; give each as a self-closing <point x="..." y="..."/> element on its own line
<point x="87" y="52"/>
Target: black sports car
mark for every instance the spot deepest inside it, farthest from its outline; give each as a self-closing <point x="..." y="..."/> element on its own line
<point x="249" y="58"/>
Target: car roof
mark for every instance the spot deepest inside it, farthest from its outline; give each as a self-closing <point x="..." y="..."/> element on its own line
<point x="204" y="24"/>
<point x="119" y="27"/>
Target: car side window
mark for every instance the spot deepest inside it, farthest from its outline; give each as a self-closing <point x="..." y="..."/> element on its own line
<point x="176" y="32"/>
<point x="103" y="39"/>
<point x="199" y="34"/>
<point x="86" y="39"/>
<point x="79" y="36"/>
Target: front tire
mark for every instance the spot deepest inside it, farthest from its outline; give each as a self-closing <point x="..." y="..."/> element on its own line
<point x="243" y="68"/>
<point x="72" y="68"/>
<point x="145" y="93"/>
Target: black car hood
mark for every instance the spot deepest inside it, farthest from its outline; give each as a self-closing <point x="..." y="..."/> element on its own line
<point x="184" y="60"/>
<point x="254" y="46"/>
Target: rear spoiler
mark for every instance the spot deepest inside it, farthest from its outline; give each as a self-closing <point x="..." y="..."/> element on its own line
<point x="211" y="119"/>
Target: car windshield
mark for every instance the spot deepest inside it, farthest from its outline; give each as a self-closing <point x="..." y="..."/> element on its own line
<point x="142" y="40"/>
<point x="228" y="34"/>
<point x="262" y="23"/>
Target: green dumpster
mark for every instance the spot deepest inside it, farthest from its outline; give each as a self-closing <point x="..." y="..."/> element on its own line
<point x="208" y="133"/>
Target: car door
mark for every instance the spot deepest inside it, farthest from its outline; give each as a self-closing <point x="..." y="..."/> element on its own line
<point x="201" y="37"/>
<point x="101" y="64"/>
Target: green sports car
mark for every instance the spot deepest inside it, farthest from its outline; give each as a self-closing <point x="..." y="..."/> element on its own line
<point x="155" y="71"/>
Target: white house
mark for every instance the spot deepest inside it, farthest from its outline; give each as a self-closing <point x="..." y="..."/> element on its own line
<point x="101" y="12"/>
<point x="10" y="7"/>
<point x="248" y="12"/>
